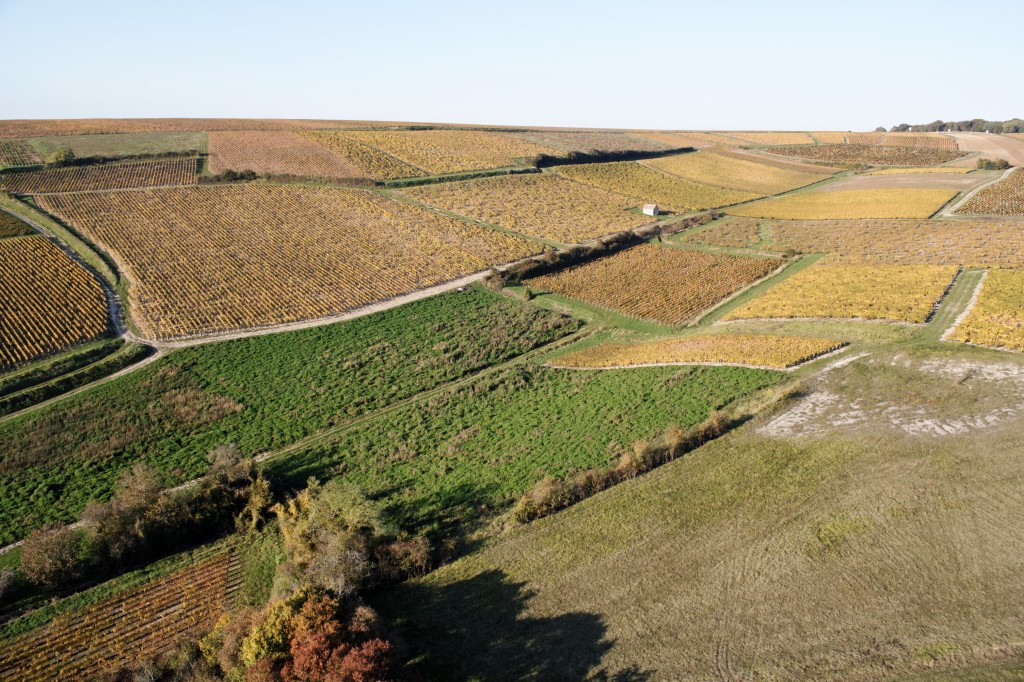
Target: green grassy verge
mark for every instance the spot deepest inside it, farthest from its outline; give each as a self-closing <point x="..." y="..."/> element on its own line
<point x="262" y="393"/>
<point x="56" y="366"/>
<point x="124" y="356"/>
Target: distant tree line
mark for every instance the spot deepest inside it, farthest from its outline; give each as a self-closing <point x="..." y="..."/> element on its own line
<point x="975" y="125"/>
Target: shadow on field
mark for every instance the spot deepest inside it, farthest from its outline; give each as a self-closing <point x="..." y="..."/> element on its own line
<point x="475" y="629"/>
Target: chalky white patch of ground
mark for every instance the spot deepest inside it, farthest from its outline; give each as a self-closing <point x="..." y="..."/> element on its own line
<point x="927" y="397"/>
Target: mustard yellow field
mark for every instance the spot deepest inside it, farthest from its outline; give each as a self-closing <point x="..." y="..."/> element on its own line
<point x="647" y="185"/>
<point x="370" y="160"/>
<point x="758" y="350"/>
<point x="859" y="203"/>
<point x="733" y="173"/>
<point x="544" y="205"/>
<point x="899" y="293"/>
<point x="997" y="318"/>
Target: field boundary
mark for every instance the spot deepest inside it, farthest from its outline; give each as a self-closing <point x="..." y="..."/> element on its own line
<point x="790" y="368"/>
<point x="966" y="311"/>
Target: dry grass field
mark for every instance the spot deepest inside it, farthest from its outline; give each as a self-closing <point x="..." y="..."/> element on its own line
<point x="909" y="242"/>
<point x="847" y="204"/>
<point x="545" y="205"/>
<point x="867" y="543"/>
<point x="1006" y="197"/>
<point x="49" y="302"/>
<point x="900" y="293"/>
<point x="451" y="151"/>
<point x="872" y="154"/>
<point x="752" y="350"/>
<point x="177" y="171"/>
<point x="997" y="317"/>
<point x="646" y="185"/>
<point x="926" y="169"/>
<point x="215" y="259"/>
<point x="733" y="173"/>
<point x="276" y="153"/>
<point x="665" y="285"/>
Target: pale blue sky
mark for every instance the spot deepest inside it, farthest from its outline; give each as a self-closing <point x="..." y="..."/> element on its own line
<point x="641" y="63"/>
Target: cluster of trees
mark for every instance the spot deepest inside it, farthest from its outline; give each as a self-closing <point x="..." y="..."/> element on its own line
<point x="315" y="627"/>
<point x="977" y="125"/>
<point x="993" y="164"/>
<point x="142" y="522"/>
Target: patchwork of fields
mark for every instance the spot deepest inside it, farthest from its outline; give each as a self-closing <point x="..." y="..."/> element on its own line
<point x="719" y="502"/>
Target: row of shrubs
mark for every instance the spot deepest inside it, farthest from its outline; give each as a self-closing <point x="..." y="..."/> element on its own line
<point x="550" y="495"/>
<point x="546" y="160"/>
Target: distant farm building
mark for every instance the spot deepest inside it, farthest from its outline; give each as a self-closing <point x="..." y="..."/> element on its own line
<point x="650" y="209"/>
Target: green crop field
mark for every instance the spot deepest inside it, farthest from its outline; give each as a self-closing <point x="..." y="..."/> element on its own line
<point x="120" y="144"/>
<point x="476" y="449"/>
<point x="260" y="393"/>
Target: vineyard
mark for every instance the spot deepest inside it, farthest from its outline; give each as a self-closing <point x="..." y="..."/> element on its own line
<point x="757" y="350"/>
<point x="598" y="142"/>
<point x="16" y="153"/>
<point x="541" y="205"/>
<point x="11" y="226"/>
<point x="997" y="317"/>
<point x="847" y="204"/>
<point x="49" y="301"/>
<point x="738" y="174"/>
<point x="917" y="140"/>
<point x="99" y="639"/>
<point x="646" y="185"/>
<point x="178" y="171"/>
<point x="451" y="151"/>
<point x="214" y="259"/>
<point x="1005" y="197"/>
<point x="907" y="242"/>
<point x="769" y="138"/>
<point x="666" y="285"/>
<point x="369" y="160"/>
<point x="872" y="154"/>
<point x="899" y="293"/>
<point x="276" y="153"/>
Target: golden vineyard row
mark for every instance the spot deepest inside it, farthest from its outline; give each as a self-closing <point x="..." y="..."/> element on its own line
<point x="49" y="301"/>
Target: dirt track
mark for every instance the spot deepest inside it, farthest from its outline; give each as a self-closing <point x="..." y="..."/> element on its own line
<point x="990" y="146"/>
